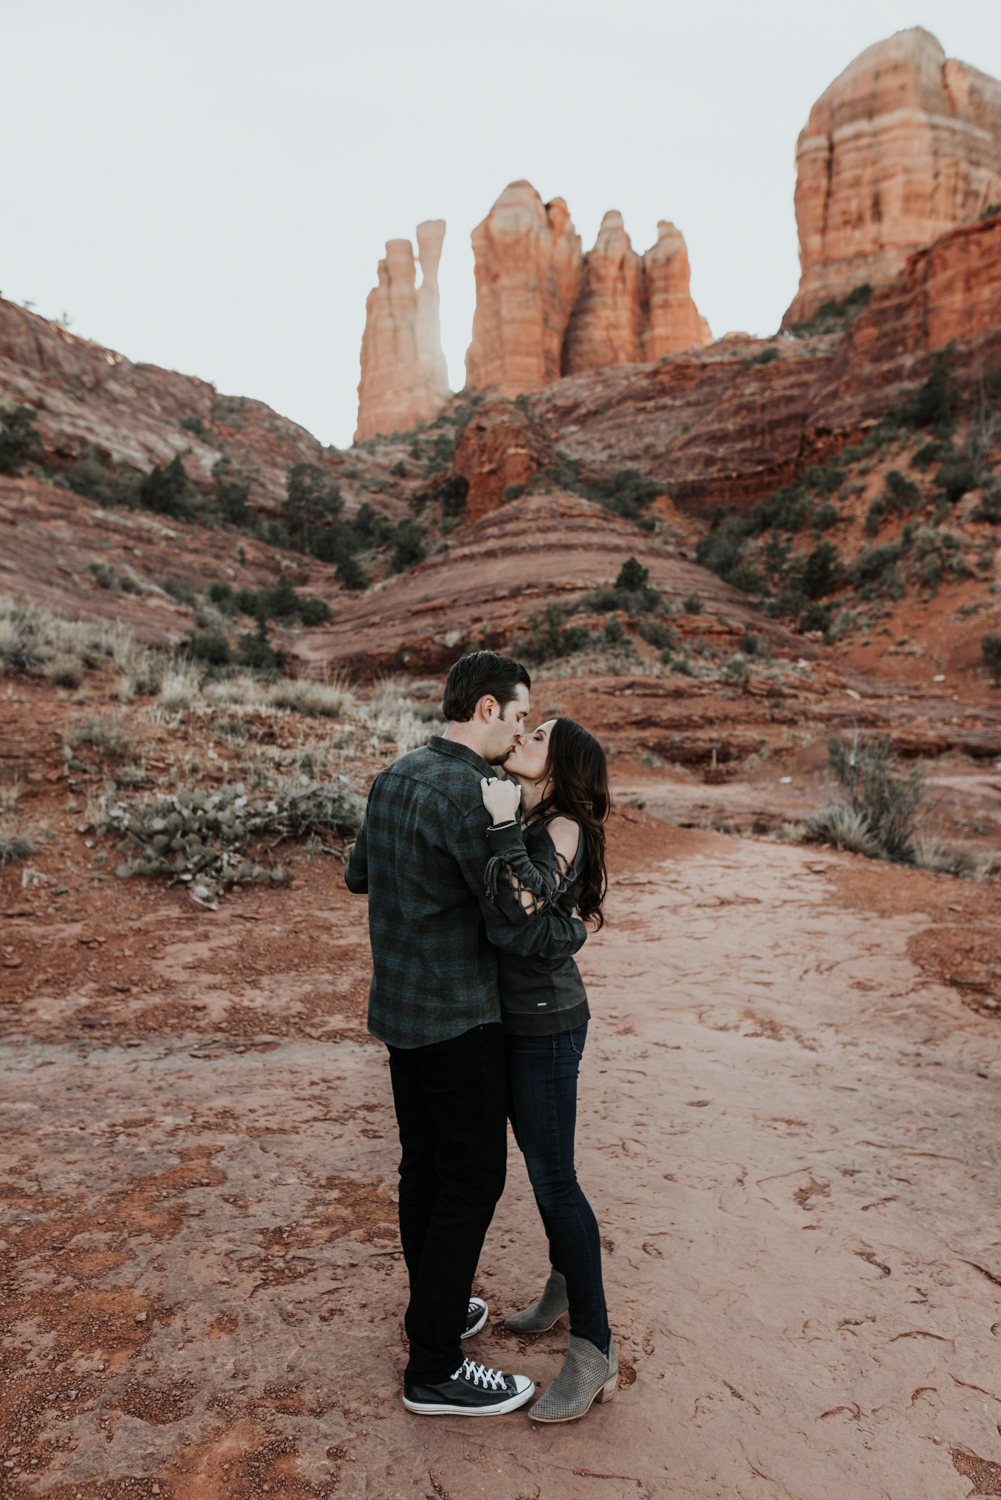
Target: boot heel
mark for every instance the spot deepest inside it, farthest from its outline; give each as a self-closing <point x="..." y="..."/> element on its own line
<point x="608" y="1390"/>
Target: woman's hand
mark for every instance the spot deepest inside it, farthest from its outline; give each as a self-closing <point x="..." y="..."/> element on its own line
<point x="500" y="798"/>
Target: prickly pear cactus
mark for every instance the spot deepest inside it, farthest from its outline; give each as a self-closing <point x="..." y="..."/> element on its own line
<point x="202" y="838"/>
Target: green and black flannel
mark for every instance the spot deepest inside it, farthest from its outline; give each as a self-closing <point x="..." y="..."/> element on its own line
<point x="421" y="856"/>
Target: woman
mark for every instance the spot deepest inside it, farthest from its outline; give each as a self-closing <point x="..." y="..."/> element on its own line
<point x="554" y="854"/>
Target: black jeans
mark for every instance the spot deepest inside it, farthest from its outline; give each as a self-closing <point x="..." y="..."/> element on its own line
<point x="542" y="1078"/>
<point x="451" y="1107"/>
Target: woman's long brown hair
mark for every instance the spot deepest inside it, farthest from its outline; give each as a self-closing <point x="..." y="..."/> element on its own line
<point x="578" y="787"/>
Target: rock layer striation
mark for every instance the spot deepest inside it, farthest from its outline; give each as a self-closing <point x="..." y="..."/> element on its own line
<point x="404" y="379"/>
<point x="904" y="146"/>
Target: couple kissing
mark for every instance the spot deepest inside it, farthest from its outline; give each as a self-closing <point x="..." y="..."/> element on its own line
<point x="478" y="890"/>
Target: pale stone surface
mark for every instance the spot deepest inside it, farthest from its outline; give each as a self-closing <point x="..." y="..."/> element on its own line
<point x="404" y="379"/>
<point x="528" y="262"/>
<point x="904" y="146"/>
<point x="674" y="322"/>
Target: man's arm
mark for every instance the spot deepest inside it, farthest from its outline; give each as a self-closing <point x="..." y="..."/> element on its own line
<point x="356" y="869"/>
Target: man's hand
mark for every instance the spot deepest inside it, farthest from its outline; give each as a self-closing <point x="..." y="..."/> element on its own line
<point x="500" y="798"/>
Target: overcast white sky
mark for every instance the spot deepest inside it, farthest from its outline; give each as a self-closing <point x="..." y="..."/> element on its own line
<point x="209" y="186"/>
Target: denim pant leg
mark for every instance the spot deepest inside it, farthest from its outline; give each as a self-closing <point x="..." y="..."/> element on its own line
<point x="542" y="1080"/>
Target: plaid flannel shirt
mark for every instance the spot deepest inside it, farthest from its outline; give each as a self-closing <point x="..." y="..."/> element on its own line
<point x="421" y="855"/>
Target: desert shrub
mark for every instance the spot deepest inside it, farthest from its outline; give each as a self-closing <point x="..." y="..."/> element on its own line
<point x="692" y="605"/>
<point x="305" y="695"/>
<point x="820" y="570"/>
<point x="826" y="516"/>
<point x="255" y="650"/>
<point x="990" y="650"/>
<point x="873" y="566"/>
<point x="844" y="828"/>
<point x="766" y="357"/>
<point x="211" y="647"/>
<point x="787" y="510"/>
<point x="738" y="667"/>
<point x="628" y="493"/>
<point x="18" y="436"/>
<point x="106" y="734"/>
<point x="179" y="589"/>
<point x="103" y="575"/>
<point x="899" y="497"/>
<point x="452" y="497"/>
<point x="279" y="602"/>
<point x="312" y="501"/>
<point x="65" y="671"/>
<point x="886" y="795"/>
<point x="990" y="210"/>
<point x="825" y="481"/>
<point x="230" y="497"/>
<point x="632" y="575"/>
<point x="204" y="839"/>
<point x="932" y="453"/>
<point x="834" y="316"/>
<point x="168" y="491"/>
<point x="954" y="480"/>
<point x="656" y="633"/>
<point x="15" y="845"/>
<point x="408" y="545"/>
<point x="989" y="509"/>
<point x="221" y="593"/>
<point x="936" y="402"/>
<point x="350" y="573"/>
<point x="193" y="423"/>
<point x="816" y="616"/>
<point x="722" y="549"/>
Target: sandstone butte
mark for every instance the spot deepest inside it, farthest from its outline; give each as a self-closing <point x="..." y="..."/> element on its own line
<point x="903" y="146"/>
<point x="543" y="310"/>
<point x="632" y="308"/>
<point x="404" y="378"/>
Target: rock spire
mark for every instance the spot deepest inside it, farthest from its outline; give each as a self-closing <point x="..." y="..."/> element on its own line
<point x="903" y="146"/>
<point x="404" y="378"/>
<point x="528" y="262"/>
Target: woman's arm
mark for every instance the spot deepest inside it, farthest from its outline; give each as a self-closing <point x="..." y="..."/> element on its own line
<point x="518" y="885"/>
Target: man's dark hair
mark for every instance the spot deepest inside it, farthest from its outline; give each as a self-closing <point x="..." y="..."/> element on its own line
<point x="473" y="677"/>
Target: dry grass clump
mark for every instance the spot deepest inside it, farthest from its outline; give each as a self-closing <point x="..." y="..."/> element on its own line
<point x="392" y="716"/>
<point x="180" y="687"/>
<point x="329" y="699"/>
<point x="103" y="733"/>
<point x="844" y="828"/>
<point x="14" y="845"/>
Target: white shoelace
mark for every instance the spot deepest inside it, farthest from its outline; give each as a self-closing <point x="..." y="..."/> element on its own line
<point x="490" y="1380"/>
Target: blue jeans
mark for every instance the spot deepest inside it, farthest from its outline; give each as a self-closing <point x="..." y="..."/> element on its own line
<point x="542" y="1084"/>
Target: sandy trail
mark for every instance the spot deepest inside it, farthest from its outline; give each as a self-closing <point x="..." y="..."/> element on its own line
<point x="789" y="1134"/>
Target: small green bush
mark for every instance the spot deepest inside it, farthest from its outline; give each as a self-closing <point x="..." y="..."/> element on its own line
<point x="816" y="616"/>
<point x="18" y="436"/>
<point x="935" y="404"/>
<point x="656" y="633"/>
<point x="632" y="575"/>
<point x="167" y="491"/>
<point x="954" y="480"/>
<point x="692" y="605"/>
<point x="312" y="501"/>
<point x="820" y="572"/>
<point x="990" y="650"/>
<point x="989" y="509"/>
<point x="876" y="786"/>
<point x="932" y="453"/>
<point x="408" y="545"/>
<point x="212" y="647"/>
<point x="827" y="516"/>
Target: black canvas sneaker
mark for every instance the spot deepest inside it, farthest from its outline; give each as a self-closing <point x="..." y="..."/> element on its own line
<point x="473" y="1391"/>
<point x="475" y="1318"/>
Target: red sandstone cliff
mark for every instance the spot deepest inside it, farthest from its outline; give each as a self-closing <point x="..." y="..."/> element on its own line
<point x="528" y="264"/>
<point x="903" y="146"/>
<point x="404" y="379"/>
<point x="673" y="321"/>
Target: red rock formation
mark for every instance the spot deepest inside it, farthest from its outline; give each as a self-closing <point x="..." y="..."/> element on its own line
<point x="85" y="396"/>
<point x="628" y="308"/>
<point x="608" y="321"/>
<point x="674" y="322"/>
<point x="950" y="291"/>
<point x="499" y="447"/>
<point x="902" y="147"/>
<point x="404" y="379"/>
<point x="527" y="276"/>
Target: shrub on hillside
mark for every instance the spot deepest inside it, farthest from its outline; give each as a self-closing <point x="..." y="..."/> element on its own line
<point x="313" y="500"/>
<point x="990" y="650"/>
<point x="18" y="436"/>
<point x="888" y="796"/>
<point x="167" y="491"/>
<point x="954" y="480"/>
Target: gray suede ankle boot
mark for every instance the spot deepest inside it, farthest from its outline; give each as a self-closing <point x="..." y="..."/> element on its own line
<point x="542" y="1314"/>
<point x="587" y="1375"/>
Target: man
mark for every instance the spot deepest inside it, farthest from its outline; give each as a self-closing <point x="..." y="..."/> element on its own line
<point x="434" y="1001"/>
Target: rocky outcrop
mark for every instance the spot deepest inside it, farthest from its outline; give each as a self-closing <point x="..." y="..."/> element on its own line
<point x="673" y="321"/>
<point x="86" y="398"/>
<point x="609" y="320"/>
<point x="951" y="291"/>
<point x="904" y="146"/>
<point x="497" y="453"/>
<point x="528" y="262"/>
<point x="626" y="308"/>
<point x="404" y="379"/>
